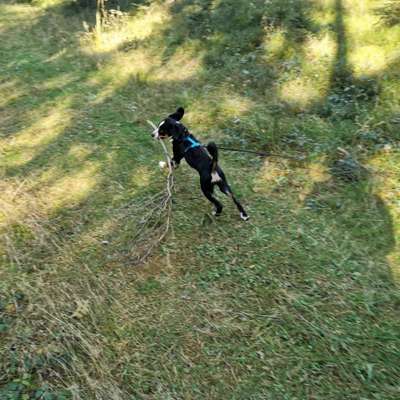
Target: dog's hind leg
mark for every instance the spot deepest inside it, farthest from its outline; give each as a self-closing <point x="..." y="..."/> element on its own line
<point x="207" y="189"/>
<point x="225" y="188"/>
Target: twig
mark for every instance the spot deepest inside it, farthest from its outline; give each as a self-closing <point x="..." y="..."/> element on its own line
<point x="162" y="203"/>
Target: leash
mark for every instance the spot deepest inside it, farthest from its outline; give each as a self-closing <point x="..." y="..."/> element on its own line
<point x="263" y="154"/>
<point x="195" y="143"/>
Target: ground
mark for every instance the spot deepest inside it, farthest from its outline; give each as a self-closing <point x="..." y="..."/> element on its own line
<point x="300" y="302"/>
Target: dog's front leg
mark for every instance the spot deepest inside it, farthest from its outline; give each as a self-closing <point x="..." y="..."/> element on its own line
<point x="177" y="153"/>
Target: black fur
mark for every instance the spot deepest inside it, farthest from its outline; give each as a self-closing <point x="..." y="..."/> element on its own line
<point x="202" y="160"/>
<point x="213" y="150"/>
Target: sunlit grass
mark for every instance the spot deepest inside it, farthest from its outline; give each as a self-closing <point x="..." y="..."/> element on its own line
<point x="58" y="82"/>
<point x="300" y="92"/>
<point x="72" y="188"/>
<point x="130" y="32"/>
<point x="271" y="175"/>
<point x="275" y="176"/>
<point x="11" y="92"/>
<point x="321" y="49"/>
<point x="142" y="176"/>
<point x="49" y="3"/>
<point x="387" y="171"/>
<point x="360" y="25"/>
<point x="366" y="53"/>
<point x="80" y="152"/>
<point x="15" y="203"/>
<point x="209" y="110"/>
<point x="186" y="63"/>
<point x="274" y="44"/>
<point x="318" y="172"/>
<point x="14" y="13"/>
<point x="46" y="128"/>
<point x="368" y="60"/>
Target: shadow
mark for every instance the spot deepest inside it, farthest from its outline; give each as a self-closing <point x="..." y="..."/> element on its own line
<point x="347" y="95"/>
<point x="336" y="200"/>
<point x="190" y="22"/>
<point x="108" y="155"/>
<point x="342" y="75"/>
<point x="231" y="34"/>
<point x="87" y="8"/>
<point x="389" y="13"/>
<point x="370" y="228"/>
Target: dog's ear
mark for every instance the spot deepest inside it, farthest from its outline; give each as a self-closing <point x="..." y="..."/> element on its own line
<point x="178" y="114"/>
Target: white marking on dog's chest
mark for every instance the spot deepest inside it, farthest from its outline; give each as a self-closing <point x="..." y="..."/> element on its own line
<point x="215" y="177"/>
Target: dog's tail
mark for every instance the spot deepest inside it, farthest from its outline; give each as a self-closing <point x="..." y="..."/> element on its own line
<point x="213" y="150"/>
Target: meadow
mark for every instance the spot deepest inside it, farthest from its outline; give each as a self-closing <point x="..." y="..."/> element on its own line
<point x="300" y="302"/>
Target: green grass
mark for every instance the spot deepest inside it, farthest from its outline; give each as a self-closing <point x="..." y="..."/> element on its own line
<point x="301" y="302"/>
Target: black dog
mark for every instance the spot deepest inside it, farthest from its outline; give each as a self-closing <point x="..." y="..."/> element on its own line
<point x="186" y="146"/>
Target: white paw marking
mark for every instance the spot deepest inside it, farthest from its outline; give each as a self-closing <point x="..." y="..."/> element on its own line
<point x="215" y="177"/>
<point x="244" y="217"/>
<point x="174" y="164"/>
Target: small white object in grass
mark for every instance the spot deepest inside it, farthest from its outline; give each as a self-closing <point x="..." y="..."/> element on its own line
<point x="162" y="164"/>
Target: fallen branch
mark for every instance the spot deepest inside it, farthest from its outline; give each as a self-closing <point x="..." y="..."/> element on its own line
<point x="161" y="205"/>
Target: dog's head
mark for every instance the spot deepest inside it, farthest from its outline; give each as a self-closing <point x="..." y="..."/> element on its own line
<point x="170" y="126"/>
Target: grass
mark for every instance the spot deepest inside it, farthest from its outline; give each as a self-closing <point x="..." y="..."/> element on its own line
<point x="301" y="302"/>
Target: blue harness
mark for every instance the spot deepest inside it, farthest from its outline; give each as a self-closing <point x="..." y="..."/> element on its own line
<point x="193" y="143"/>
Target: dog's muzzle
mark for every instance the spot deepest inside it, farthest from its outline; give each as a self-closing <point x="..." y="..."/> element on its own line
<point x="156" y="135"/>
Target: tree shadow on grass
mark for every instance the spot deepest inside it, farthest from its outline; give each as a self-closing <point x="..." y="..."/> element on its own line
<point x="193" y="26"/>
<point x="355" y="235"/>
<point x="44" y="97"/>
<point x="230" y="35"/>
<point x="347" y="96"/>
<point x="358" y="199"/>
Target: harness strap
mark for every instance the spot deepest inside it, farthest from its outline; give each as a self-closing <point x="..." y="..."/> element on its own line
<point x="193" y="143"/>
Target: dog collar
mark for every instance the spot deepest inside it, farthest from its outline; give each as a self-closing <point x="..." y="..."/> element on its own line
<point x="193" y="143"/>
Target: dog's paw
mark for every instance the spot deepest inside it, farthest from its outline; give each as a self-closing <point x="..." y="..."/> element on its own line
<point x="174" y="164"/>
<point x="244" y="216"/>
<point x="162" y="164"/>
<point x="216" y="213"/>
